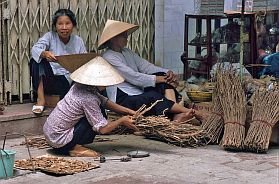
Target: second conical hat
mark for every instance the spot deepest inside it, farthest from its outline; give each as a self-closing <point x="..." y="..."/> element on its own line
<point x="113" y="28"/>
<point x="74" y="61"/>
<point x="97" y="72"/>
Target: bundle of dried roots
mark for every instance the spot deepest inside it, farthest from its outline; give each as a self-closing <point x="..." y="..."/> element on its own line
<point x="181" y="134"/>
<point x="265" y="114"/>
<point x="215" y="123"/>
<point x="233" y="102"/>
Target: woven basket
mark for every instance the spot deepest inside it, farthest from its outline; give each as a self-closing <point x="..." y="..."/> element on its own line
<point x="199" y="96"/>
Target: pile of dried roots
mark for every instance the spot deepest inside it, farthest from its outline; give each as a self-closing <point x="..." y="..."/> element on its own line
<point x="181" y="134"/>
<point x="265" y="114"/>
<point x="55" y="165"/>
<point x="37" y="142"/>
<point x="214" y="124"/>
<point x="233" y="102"/>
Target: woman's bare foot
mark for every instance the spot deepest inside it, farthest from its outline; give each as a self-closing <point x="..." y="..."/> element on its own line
<point x="81" y="151"/>
<point x="182" y="117"/>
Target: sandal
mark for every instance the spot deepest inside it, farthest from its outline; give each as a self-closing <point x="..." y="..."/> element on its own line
<point x="80" y="151"/>
<point x="38" y="109"/>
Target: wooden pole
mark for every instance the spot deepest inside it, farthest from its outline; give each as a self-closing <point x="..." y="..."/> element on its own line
<point x="242" y="39"/>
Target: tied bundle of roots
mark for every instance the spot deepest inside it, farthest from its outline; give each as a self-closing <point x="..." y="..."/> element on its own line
<point x="265" y="114"/>
<point x="233" y="102"/>
<point x="215" y="122"/>
<point x="181" y="134"/>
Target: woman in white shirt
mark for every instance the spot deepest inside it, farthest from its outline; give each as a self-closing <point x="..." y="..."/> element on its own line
<point x="144" y="82"/>
<point x="48" y="76"/>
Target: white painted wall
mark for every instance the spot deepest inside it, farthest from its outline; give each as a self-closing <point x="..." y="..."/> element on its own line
<point x="169" y="32"/>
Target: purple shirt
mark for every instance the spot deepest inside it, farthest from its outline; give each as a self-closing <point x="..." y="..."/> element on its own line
<point x="78" y="102"/>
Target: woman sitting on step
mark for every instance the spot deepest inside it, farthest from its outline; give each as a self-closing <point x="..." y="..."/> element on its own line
<point x="50" y="77"/>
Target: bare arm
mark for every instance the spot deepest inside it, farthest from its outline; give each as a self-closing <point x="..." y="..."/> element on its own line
<point x="125" y="120"/>
<point x="119" y="108"/>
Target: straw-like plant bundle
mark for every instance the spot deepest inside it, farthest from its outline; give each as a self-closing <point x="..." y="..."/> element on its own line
<point x="214" y="124"/>
<point x="181" y="134"/>
<point x="265" y="114"/>
<point x="233" y="102"/>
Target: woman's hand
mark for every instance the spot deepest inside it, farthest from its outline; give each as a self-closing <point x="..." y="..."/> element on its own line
<point x="131" y="112"/>
<point x="125" y="121"/>
<point x="128" y="122"/>
<point x="48" y="55"/>
<point x="172" y="79"/>
<point x="161" y="79"/>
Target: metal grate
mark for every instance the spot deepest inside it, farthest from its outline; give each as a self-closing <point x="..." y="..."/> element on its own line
<point x="23" y="22"/>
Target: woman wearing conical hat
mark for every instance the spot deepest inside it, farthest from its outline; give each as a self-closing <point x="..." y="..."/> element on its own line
<point x="77" y="118"/>
<point x="144" y="82"/>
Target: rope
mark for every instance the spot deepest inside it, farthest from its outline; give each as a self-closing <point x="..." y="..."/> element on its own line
<point x="262" y="121"/>
<point x="232" y="122"/>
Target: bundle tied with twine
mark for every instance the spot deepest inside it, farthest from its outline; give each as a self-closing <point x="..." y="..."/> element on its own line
<point x="181" y="134"/>
<point x="233" y="102"/>
<point x="214" y="124"/>
<point x="265" y="114"/>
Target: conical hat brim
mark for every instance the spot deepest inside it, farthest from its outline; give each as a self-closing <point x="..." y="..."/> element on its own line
<point x="74" y="61"/>
<point x="114" y="28"/>
<point x="97" y="72"/>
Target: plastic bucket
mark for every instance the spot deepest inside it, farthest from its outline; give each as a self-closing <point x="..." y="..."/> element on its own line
<point x="7" y="158"/>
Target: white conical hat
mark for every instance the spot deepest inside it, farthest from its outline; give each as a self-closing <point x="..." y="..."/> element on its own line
<point x="97" y="72"/>
<point x="114" y="28"/>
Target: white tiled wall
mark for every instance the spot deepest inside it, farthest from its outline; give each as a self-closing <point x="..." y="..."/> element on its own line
<point x="169" y="32"/>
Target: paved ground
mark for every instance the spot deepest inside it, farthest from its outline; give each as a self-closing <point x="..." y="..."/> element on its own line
<point x="166" y="164"/>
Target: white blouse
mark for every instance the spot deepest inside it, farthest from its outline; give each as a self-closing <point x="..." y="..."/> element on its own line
<point x="51" y="42"/>
<point x="136" y="71"/>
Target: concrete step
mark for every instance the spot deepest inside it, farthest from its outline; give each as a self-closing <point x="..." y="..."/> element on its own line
<point x="19" y="118"/>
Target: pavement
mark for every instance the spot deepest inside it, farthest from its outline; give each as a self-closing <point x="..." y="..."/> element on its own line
<point x="167" y="164"/>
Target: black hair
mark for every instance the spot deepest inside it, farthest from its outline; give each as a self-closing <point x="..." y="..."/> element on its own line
<point x="62" y="12"/>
